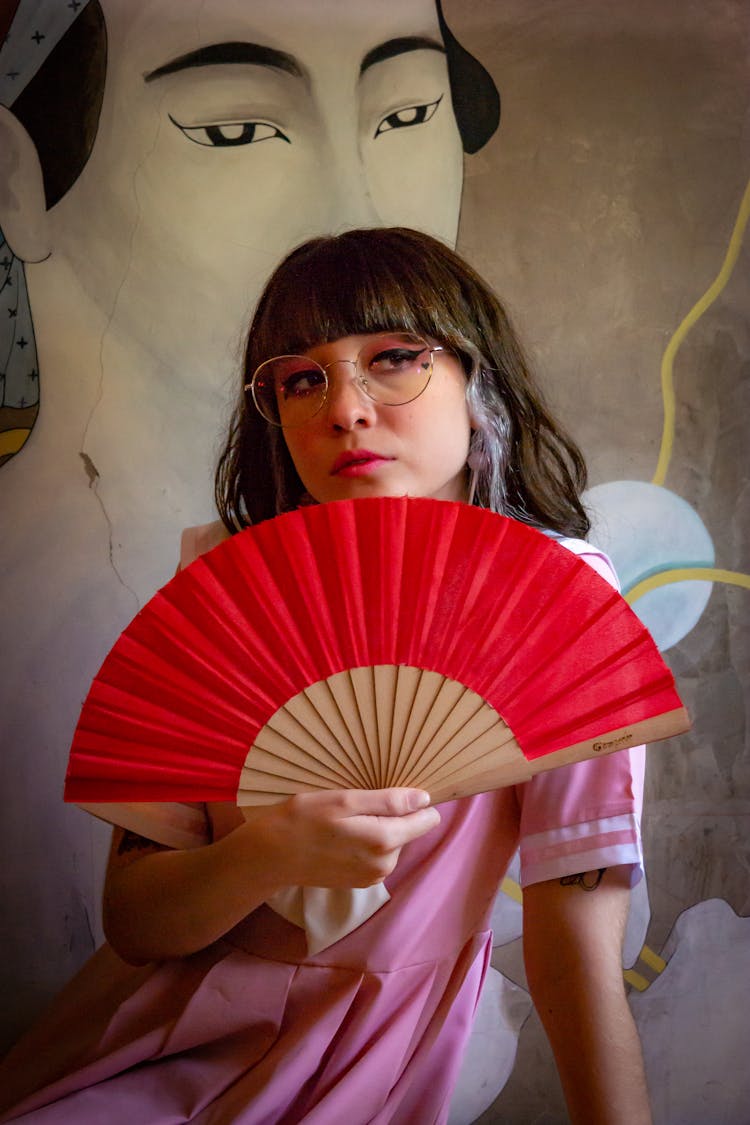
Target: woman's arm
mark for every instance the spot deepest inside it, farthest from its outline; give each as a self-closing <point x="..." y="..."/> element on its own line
<point x="161" y="903"/>
<point x="573" y="947"/>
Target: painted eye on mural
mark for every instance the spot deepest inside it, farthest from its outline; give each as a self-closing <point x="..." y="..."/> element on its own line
<point x="408" y="116"/>
<point x="229" y="134"/>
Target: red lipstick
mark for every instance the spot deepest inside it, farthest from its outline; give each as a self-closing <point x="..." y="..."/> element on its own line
<point x="356" y="462"/>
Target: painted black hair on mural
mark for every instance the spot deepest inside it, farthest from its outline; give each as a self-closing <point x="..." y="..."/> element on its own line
<point x="60" y="106"/>
<point x="475" y="97"/>
<point x="380" y="278"/>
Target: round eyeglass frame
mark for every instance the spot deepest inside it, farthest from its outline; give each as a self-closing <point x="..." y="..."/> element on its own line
<point x="359" y="377"/>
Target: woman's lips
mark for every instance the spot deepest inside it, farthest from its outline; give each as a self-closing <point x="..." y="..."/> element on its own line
<point x="357" y="462"/>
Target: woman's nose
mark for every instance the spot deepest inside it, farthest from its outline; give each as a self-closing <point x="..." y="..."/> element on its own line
<point x="347" y="405"/>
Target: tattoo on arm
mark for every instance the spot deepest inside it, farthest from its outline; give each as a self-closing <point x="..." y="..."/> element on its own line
<point x="580" y="880"/>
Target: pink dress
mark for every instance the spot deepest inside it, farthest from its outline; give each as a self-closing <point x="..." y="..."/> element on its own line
<point x="254" y="1031"/>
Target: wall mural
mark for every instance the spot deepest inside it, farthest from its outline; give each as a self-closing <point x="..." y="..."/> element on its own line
<point x="152" y="172"/>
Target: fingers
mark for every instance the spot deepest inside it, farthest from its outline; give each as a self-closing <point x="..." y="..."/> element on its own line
<point x="351" y="837"/>
<point x="365" y="802"/>
<point x="384" y="834"/>
<point x="383" y="819"/>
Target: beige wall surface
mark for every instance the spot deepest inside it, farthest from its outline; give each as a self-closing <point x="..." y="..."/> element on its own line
<point x="603" y="210"/>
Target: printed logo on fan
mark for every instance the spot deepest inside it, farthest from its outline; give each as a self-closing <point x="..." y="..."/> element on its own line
<point x="613" y="743"/>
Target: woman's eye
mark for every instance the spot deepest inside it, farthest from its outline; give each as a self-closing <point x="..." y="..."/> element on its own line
<point x="231" y="134"/>
<point x="394" y="360"/>
<point x="410" y="115"/>
<point x="301" y="383"/>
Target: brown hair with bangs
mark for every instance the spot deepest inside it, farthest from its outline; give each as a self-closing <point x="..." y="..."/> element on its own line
<point x="373" y="280"/>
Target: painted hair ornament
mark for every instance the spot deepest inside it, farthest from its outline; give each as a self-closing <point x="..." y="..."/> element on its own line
<point x="19" y="370"/>
<point x="35" y="31"/>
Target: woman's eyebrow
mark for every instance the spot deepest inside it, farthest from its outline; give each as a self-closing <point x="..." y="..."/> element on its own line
<point x="220" y="54"/>
<point x="400" y="46"/>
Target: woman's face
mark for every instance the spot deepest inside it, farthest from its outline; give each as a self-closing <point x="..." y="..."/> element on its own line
<point x="355" y="446"/>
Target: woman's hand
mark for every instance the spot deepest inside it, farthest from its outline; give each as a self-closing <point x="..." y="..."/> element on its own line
<point x="161" y="903"/>
<point x="339" y="838"/>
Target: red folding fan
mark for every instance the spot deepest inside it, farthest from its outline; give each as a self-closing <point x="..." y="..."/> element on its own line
<point x="367" y="643"/>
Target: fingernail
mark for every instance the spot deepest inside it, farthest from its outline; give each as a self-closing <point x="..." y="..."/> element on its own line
<point x="418" y="799"/>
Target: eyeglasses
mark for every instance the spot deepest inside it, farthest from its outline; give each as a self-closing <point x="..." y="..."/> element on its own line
<point x="392" y="368"/>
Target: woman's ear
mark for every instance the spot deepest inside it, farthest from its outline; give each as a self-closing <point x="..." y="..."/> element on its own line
<point x="23" y="210"/>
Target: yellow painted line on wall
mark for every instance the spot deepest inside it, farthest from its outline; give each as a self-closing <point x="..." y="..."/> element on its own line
<point x="653" y="960"/>
<point x="687" y="574"/>
<point x="637" y="981"/>
<point x="512" y="889"/>
<point x="697" y="311"/>
<point x="12" y="440"/>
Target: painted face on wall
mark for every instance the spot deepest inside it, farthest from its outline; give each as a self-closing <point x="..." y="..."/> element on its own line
<point x="233" y="132"/>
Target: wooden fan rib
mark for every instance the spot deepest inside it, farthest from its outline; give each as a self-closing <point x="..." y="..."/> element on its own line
<point x="483" y="731"/>
<point x="288" y="727"/>
<point x="384" y="679"/>
<point x="407" y="684"/>
<point x="258" y="783"/>
<point x="653" y="729"/>
<point x="429" y="688"/>
<point x="344" y="699"/>
<point x="465" y="754"/>
<point x="363" y="686"/>
<point x="249" y="799"/>
<point x="261" y="760"/>
<point x="644" y="726"/>
<point x="511" y="767"/>
<point x="315" y="708"/>
<point x="440" y="717"/>
<point x="505" y="766"/>
<point x="290" y="754"/>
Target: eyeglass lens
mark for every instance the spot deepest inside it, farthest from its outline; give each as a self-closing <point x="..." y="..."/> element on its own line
<point x="393" y="368"/>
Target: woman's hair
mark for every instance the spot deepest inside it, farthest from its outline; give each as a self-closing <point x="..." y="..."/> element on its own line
<point x="374" y="280"/>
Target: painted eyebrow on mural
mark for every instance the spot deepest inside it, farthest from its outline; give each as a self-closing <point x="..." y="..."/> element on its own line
<point x="255" y="54"/>
<point x="393" y="47"/>
<point x="221" y="54"/>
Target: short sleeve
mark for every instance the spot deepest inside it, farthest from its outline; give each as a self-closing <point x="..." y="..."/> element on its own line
<point x="584" y="816"/>
<point x="174" y="824"/>
<point x="196" y="541"/>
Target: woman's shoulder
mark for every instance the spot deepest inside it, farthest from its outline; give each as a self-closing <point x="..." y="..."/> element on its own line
<point x="197" y="540"/>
